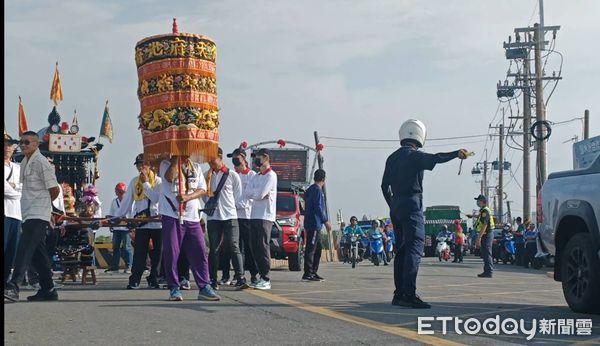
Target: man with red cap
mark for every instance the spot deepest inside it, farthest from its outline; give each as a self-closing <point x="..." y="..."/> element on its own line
<point x="120" y="234"/>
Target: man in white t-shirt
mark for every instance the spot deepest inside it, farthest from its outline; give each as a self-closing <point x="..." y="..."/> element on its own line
<point x="223" y="230"/>
<point x="40" y="188"/>
<point x="12" y="205"/>
<point x="183" y="230"/>
<point x="244" y="209"/>
<point x="142" y="200"/>
<point x="262" y="189"/>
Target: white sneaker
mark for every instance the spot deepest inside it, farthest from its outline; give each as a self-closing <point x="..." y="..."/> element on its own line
<point x="224" y="282"/>
<point x="262" y="285"/>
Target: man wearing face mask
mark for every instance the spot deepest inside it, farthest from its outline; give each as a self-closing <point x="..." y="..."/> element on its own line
<point x="244" y="208"/>
<point x="223" y="231"/>
<point x="262" y="189"/>
<point x="402" y="187"/>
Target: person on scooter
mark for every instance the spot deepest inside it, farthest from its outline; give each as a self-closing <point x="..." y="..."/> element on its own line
<point x="377" y="230"/>
<point x="353" y="229"/>
<point x="402" y="188"/>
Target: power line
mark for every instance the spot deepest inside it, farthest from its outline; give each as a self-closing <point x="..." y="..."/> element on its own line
<point x="389" y="148"/>
<point x="396" y="140"/>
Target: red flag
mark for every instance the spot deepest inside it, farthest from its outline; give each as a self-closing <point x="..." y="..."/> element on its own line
<point x="22" y="119"/>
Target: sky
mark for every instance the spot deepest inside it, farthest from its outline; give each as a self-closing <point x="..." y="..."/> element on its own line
<point x="285" y="69"/>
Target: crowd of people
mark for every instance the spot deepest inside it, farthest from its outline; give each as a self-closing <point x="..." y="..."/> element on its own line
<point x="240" y="209"/>
<point x="239" y="205"/>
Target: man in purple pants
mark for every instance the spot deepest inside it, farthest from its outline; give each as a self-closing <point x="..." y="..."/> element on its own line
<point x="189" y="234"/>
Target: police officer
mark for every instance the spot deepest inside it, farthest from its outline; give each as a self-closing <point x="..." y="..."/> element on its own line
<point x="485" y="238"/>
<point x="402" y="188"/>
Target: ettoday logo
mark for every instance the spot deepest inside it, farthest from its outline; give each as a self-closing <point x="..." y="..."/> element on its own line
<point x="506" y="326"/>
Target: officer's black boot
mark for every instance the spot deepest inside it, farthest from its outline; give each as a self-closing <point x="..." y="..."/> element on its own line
<point x="410" y="301"/>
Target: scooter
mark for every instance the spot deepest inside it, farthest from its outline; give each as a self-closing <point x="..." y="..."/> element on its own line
<point x="376" y="244"/>
<point x="442" y="248"/>
<point x="507" y="249"/>
<point x="389" y="248"/>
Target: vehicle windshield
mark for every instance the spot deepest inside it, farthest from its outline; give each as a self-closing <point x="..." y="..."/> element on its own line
<point x="286" y="204"/>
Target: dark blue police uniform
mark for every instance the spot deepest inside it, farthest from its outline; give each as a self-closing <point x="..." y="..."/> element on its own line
<point x="402" y="187"/>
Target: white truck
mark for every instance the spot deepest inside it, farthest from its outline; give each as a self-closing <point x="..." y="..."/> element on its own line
<point x="569" y="231"/>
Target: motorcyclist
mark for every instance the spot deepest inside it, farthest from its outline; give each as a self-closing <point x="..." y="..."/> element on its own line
<point x="353" y="229"/>
<point x="445" y="232"/>
<point x="377" y="230"/>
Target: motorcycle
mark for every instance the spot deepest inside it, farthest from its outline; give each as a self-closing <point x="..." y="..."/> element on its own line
<point x="376" y="246"/>
<point x="442" y="249"/>
<point x="356" y="252"/>
<point x="508" y="250"/>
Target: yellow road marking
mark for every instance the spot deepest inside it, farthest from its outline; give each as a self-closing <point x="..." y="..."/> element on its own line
<point x="488" y="294"/>
<point x="335" y="291"/>
<point x="391" y="329"/>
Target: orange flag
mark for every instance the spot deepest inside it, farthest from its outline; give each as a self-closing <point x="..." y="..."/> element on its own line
<point x="22" y="119"/>
<point x="56" y="91"/>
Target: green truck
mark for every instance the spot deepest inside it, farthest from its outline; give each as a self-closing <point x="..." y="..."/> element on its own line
<point x="435" y="218"/>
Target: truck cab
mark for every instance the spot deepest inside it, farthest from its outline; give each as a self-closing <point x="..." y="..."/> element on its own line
<point x="569" y="231"/>
<point x="290" y="218"/>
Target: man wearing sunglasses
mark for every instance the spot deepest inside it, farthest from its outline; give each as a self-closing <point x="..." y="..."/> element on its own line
<point x="40" y="188"/>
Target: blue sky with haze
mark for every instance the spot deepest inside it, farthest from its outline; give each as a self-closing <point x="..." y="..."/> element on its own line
<point x="287" y="68"/>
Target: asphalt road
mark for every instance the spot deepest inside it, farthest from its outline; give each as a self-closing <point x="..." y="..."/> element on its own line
<point x="352" y="307"/>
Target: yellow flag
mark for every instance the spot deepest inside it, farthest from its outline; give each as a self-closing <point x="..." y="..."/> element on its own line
<point x="56" y="92"/>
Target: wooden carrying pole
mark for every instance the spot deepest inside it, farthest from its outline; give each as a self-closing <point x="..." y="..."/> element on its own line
<point x="181" y="204"/>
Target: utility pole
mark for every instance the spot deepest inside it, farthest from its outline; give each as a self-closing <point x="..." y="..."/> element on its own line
<point x="526" y="139"/>
<point x="540" y="108"/>
<point x="320" y="163"/>
<point x="520" y="50"/>
<point x="501" y="169"/>
<point x="586" y="124"/>
<point x="509" y="213"/>
<point x="485" y="181"/>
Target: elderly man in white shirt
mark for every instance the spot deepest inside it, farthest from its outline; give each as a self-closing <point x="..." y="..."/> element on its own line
<point x="12" y="205"/>
<point x="185" y="234"/>
<point x="40" y="188"/>
<point x="262" y="189"/>
<point x="223" y="230"/>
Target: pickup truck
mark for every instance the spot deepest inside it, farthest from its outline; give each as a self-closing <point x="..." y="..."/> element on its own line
<point x="569" y="231"/>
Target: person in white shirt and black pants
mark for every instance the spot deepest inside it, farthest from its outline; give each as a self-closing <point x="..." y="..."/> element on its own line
<point x="262" y="189"/>
<point x="12" y="205"/>
<point x="244" y="209"/>
<point x="40" y="188"/>
<point x="225" y="188"/>
<point x="143" y="195"/>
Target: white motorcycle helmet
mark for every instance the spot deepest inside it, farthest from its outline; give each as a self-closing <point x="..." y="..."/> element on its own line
<point x="414" y="130"/>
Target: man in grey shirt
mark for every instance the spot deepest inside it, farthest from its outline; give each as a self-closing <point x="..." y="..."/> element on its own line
<point x="40" y="188"/>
